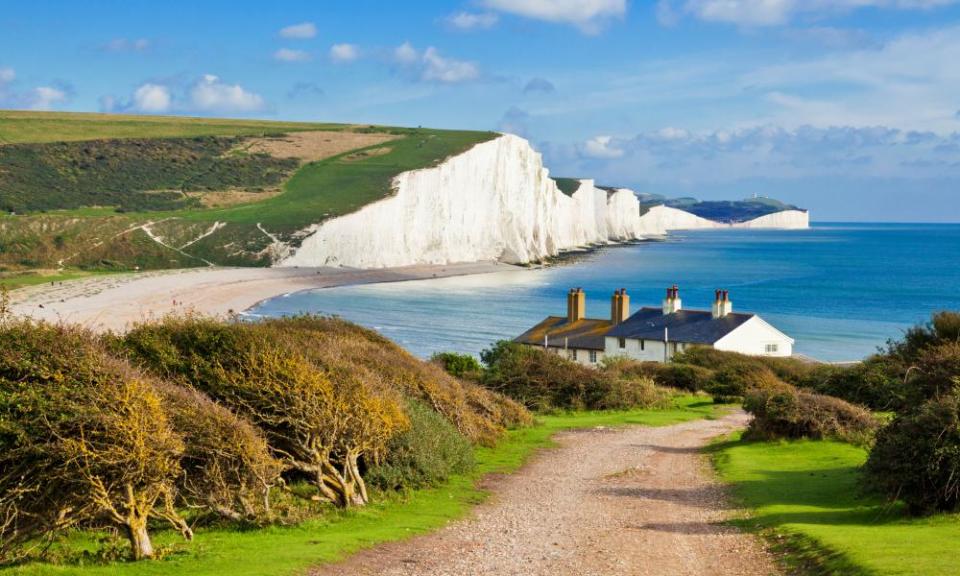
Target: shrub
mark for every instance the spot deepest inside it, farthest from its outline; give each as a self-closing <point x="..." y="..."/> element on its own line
<point x="783" y="411"/>
<point x="943" y="327"/>
<point x="227" y="467"/>
<point x="543" y="381"/>
<point x="877" y="382"/>
<point x="321" y="422"/>
<point x="732" y="382"/>
<point x="477" y="413"/>
<point x="916" y="457"/>
<point x="427" y="453"/>
<point x="459" y="365"/>
<point x="84" y="439"/>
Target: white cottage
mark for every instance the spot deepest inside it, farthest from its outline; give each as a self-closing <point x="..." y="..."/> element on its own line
<point x="655" y="334"/>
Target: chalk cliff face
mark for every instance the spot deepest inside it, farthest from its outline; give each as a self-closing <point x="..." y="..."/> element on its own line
<point x="493" y="202"/>
<point x="663" y="219"/>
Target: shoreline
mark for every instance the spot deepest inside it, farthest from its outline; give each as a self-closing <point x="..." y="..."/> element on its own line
<point x="117" y="302"/>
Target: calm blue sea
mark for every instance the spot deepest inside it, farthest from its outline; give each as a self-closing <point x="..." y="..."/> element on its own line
<point x="841" y="290"/>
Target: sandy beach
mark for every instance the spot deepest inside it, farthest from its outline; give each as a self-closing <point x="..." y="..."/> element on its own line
<point x="116" y="302"/>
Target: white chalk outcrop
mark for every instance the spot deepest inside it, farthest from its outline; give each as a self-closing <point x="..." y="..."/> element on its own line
<point x="784" y="220"/>
<point x="493" y="202"/>
<point x="664" y="219"/>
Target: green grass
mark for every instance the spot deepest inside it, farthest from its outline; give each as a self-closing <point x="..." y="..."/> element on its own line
<point x="290" y="550"/>
<point x="12" y="281"/>
<point x="33" y="127"/>
<point x="805" y="495"/>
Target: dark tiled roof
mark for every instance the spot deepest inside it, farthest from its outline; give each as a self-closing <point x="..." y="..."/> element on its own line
<point x="586" y="334"/>
<point x="689" y="326"/>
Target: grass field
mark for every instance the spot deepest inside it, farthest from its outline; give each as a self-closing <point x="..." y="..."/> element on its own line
<point x="17" y="127"/>
<point x="805" y="495"/>
<point x="282" y="551"/>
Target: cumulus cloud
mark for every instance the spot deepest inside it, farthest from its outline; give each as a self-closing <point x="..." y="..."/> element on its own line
<point x="127" y="45"/>
<point x="210" y="94"/>
<point x="541" y="85"/>
<point x="152" y="99"/>
<point x="301" y="31"/>
<point x="46" y="97"/>
<point x="588" y="15"/>
<point x="601" y="147"/>
<point x="753" y="13"/>
<point x="291" y="55"/>
<point x="472" y="20"/>
<point x="431" y="66"/>
<point x="344" y="52"/>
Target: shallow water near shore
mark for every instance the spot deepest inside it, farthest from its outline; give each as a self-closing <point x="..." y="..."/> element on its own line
<point x="841" y="290"/>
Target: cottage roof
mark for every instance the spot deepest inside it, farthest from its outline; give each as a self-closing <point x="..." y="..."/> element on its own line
<point x="687" y="326"/>
<point x="584" y="334"/>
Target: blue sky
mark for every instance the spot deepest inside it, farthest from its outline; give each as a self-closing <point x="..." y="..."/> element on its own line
<point x="848" y="107"/>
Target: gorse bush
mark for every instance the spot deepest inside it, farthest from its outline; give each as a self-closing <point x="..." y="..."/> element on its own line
<point x="543" y="381"/>
<point x="783" y="411"/>
<point x="916" y="458"/>
<point x="84" y="440"/>
<point x="430" y="451"/>
<point x="459" y="365"/>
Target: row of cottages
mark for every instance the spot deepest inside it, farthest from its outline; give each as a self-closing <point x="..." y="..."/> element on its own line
<point x="654" y="334"/>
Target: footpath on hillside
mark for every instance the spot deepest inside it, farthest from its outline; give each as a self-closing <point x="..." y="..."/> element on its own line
<point x="631" y="501"/>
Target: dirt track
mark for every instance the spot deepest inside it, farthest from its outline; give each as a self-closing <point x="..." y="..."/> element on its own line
<point x="637" y="501"/>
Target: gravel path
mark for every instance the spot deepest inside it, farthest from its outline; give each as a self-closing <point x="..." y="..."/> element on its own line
<point x="637" y="501"/>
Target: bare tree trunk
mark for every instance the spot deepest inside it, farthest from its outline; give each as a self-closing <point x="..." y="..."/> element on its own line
<point x="353" y="474"/>
<point x="140" y="539"/>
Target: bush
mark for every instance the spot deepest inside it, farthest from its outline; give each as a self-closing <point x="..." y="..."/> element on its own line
<point x="320" y="422"/>
<point x="227" y="465"/>
<point x="84" y="439"/>
<point x="876" y="382"/>
<point x="783" y="411"/>
<point x="543" y="381"/>
<point x="459" y="365"/>
<point x="732" y="382"/>
<point x="916" y="457"/>
<point x="943" y="327"/>
<point x="427" y="453"/>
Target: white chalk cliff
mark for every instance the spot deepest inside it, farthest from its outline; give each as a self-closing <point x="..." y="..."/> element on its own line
<point x="494" y="202"/>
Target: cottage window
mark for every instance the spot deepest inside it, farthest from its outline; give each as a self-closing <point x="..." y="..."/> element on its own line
<point x="772" y="348"/>
<point x="593" y="356"/>
<point x="643" y="344"/>
<point x="573" y="354"/>
<point x="623" y="342"/>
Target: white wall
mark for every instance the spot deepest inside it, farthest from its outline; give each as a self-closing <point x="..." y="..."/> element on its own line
<point x="753" y="336"/>
<point x="582" y="356"/>
<point x="651" y="350"/>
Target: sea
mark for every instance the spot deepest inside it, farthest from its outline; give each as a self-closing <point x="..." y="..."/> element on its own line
<point x="840" y="290"/>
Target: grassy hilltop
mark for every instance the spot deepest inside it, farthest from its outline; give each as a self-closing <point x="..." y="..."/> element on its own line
<point x="112" y="192"/>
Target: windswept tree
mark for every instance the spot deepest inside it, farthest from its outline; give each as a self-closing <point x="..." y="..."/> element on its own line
<point x="319" y="422"/>
<point x="84" y="439"/>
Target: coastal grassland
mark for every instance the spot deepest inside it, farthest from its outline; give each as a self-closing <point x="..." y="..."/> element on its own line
<point x="806" y="496"/>
<point x="567" y="185"/>
<point x="290" y="550"/>
<point x="17" y="127"/>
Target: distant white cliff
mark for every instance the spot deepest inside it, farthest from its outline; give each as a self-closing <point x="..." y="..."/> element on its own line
<point x="494" y="202"/>
<point x="665" y="219"/>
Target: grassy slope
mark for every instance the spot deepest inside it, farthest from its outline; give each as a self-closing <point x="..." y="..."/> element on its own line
<point x="281" y="551"/>
<point x="22" y="127"/>
<point x="808" y="490"/>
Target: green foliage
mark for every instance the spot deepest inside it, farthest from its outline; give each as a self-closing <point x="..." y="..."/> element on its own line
<point x="459" y="365"/>
<point x="132" y="174"/>
<point x="543" y="381"/>
<point x="782" y="411"/>
<point x="428" y="453"/>
<point x="567" y="185"/>
<point x="916" y="458"/>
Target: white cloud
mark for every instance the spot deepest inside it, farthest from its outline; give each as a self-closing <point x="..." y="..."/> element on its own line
<point x="752" y="13"/>
<point x="210" y="94"/>
<point x="406" y="54"/>
<point x="302" y="30"/>
<point x="447" y="70"/>
<point x="46" y="97"/>
<point x="7" y="75"/>
<point x="472" y="20"/>
<point x="291" y="55"/>
<point x="601" y="147"/>
<point x="344" y="52"/>
<point x="588" y="15"/>
<point x="151" y="98"/>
